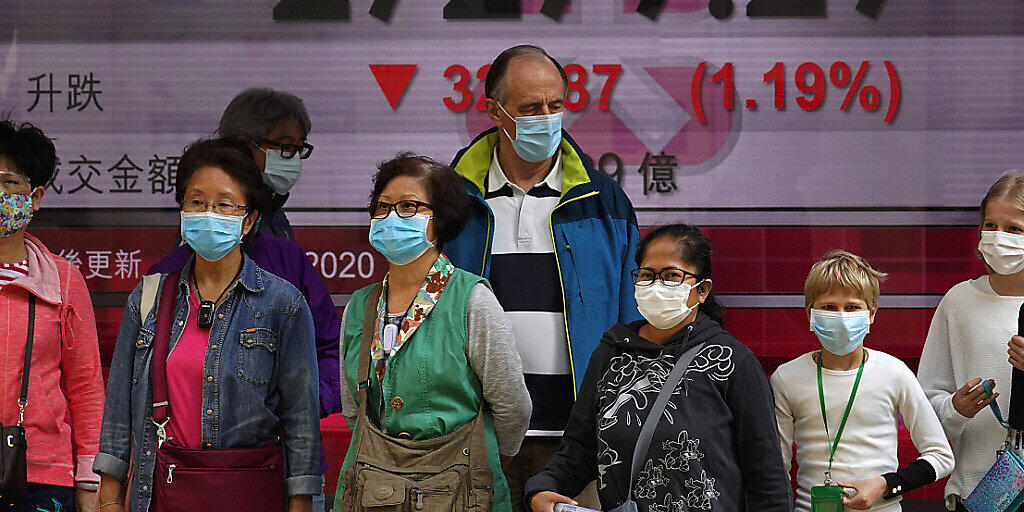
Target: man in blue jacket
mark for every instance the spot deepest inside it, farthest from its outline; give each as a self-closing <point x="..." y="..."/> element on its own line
<point x="555" y="238"/>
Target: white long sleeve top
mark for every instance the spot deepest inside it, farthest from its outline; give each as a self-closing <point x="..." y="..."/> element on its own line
<point x="869" y="443"/>
<point x="967" y="339"/>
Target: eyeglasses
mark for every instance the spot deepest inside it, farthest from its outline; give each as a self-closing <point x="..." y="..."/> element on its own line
<point x="15" y="183"/>
<point x="289" y="150"/>
<point x="405" y="208"/>
<point x="222" y="207"/>
<point x="668" y="276"/>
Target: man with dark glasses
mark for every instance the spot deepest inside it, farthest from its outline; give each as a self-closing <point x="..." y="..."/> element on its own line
<point x="275" y="125"/>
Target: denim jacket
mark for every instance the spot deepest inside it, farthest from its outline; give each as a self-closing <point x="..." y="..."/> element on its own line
<point x="262" y="355"/>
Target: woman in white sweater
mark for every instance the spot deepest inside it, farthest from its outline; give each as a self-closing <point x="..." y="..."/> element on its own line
<point x="871" y="387"/>
<point x="969" y="338"/>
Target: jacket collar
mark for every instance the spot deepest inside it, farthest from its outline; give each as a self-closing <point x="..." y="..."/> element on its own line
<point x="251" y="277"/>
<point x="474" y="162"/>
<point x="43" y="279"/>
<point x="496" y="178"/>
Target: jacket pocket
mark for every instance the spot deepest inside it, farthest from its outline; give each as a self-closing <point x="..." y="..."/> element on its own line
<point x="382" y="491"/>
<point x="256" y="355"/>
<point x="142" y="349"/>
<point x="594" y="272"/>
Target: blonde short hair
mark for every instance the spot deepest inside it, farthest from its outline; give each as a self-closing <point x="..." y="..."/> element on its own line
<point x="1009" y="187"/>
<point x="843" y="271"/>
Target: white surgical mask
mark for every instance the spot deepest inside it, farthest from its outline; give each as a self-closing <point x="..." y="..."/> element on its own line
<point x="664" y="306"/>
<point x="1003" y="251"/>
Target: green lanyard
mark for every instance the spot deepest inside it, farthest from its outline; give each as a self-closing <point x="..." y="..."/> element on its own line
<point x="846" y="415"/>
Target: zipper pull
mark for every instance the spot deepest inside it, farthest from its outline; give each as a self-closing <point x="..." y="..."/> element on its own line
<point x="170" y="473"/>
<point x="419" y="499"/>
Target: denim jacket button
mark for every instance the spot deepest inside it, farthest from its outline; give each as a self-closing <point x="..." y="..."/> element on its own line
<point x="405" y="435"/>
<point x="209" y="411"/>
<point x="397" y="402"/>
<point x="214" y="346"/>
<point x="180" y="322"/>
<point x="209" y="379"/>
<point x="221" y="316"/>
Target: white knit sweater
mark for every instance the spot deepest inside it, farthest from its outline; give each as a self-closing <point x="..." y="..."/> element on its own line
<point x="967" y="339"/>
<point x="867" y="449"/>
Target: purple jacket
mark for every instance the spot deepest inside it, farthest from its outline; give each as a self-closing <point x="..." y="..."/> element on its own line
<point x="286" y="259"/>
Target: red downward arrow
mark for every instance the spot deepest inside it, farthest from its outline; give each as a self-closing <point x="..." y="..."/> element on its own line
<point x="393" y="80"/>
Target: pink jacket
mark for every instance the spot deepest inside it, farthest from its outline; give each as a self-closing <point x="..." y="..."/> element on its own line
<point x="65" y="390"/>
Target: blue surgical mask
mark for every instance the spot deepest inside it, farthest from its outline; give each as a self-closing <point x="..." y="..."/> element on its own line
<point x="537" y="137"/>
<point x="400" y="240"/>
<point x="840" y="332"/>
<point x="211" y="235"/>
<point x="280" y="173"/>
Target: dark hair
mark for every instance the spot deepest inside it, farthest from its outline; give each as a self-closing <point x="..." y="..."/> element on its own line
<point x="695" y="249"/>
<point x="30" y="150"/>
<point x="448" y="199"/>
<point x="232" y="156"/>
<point x="498" y="69"/>
<point x="255" y="112"/>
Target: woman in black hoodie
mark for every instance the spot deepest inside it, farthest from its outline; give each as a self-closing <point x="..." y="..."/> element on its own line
<point x="716" y="445"/>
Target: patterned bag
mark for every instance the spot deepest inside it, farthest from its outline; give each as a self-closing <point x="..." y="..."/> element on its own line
<point x="1002" y="488"/>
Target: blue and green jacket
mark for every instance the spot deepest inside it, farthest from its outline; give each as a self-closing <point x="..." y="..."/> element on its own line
<point x="595" y="235"/>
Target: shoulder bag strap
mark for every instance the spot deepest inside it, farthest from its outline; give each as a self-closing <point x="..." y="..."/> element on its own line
<point x="158" y="363"/>
<point x="150" y="285"/>
<point x="369" y="324"/>
<point x="643" y="441"/>
<point x="23" y="398"/>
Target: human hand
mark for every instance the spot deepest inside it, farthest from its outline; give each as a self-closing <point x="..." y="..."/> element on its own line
<point x="85" y="501"/>
<point x="300" y="503"/>
<point x="545" y="501"/>
<point x="868" y="493"/>
<point x="1016" y="351"/>
<point x="970" y="399"/>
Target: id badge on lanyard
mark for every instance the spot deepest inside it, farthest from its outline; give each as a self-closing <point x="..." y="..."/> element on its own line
<point x="829" y="496"/>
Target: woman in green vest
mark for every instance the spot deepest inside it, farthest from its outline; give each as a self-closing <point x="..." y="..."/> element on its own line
<point x="431" y="381"/>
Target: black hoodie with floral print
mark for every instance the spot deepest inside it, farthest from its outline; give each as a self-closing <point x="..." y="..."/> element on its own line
<point x="716" y="447"/>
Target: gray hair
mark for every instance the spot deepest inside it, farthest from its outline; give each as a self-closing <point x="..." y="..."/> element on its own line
<point x="494" y="82"/>
<point x="255" y="112"/>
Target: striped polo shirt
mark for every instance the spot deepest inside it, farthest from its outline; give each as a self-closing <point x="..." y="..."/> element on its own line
<point x="524" y="276"/>
<point x="11" y="271"/>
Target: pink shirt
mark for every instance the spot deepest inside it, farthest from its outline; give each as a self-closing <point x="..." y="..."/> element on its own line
<point x="185" y="381"/>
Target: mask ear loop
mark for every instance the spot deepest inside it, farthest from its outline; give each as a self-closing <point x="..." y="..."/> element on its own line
<point x="510" y="117"/>
<point x="255" y="223"/>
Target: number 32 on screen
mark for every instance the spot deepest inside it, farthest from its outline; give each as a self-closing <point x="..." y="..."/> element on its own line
<point x="577" y="96"/>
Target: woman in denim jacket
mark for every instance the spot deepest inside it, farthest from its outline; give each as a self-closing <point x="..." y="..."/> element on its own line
<point x="245" y="380"/>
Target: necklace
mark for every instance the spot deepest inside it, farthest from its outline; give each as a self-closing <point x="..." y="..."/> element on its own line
<point x="204" y="318"/>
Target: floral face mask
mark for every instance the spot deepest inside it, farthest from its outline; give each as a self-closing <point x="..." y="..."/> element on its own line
<point x="15" y="212"/>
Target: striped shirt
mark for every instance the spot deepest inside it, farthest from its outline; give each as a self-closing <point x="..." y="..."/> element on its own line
<point x="524" y="276"/>
<point x="11" y="271"/>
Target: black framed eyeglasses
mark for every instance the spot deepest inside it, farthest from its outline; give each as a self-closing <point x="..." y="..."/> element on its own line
<point x="405" y="208"/>
<point x="289" y="150"/>
<point x="668" y="276"/>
